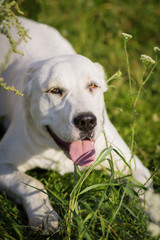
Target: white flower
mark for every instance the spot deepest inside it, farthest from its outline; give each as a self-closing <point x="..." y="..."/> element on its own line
<point x="146" y="60"/>
<point x="157" y="49"/>
<point x="126" y="36"/>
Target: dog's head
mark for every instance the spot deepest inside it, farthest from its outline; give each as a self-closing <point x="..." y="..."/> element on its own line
<point x="64" y="98"/>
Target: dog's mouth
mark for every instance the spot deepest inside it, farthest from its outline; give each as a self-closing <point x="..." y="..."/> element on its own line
<point x="81" y="152"/>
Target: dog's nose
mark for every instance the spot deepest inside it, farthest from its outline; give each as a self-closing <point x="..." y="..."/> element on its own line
<point x="85" y="121"/>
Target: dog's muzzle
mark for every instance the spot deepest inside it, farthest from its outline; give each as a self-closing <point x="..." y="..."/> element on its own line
<point x="81" y="152"/>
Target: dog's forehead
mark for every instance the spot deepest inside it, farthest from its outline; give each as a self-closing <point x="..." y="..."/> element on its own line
<point x="67" y="70"/>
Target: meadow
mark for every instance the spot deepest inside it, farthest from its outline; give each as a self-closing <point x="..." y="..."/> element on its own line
<point x="93" y="204"/>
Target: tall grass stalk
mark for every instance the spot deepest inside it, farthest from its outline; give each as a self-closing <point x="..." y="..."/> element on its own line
<point x="127" y="37"/>
<point x="144" y="80"/>
<point x="149" y="66"/>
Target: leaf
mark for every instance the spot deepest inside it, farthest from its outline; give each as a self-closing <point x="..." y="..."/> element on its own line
<point x="102" y="157"/>
<point x="93" y="187"/>
<point x="102" y="224"/>
<point x="129" y="210"/>
<point x="86" y="205"/>
<point x="115" y="150"/>
<point x="131" y="192"/>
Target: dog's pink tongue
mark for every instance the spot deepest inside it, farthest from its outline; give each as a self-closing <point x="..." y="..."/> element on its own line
<point x="82" y="152"/>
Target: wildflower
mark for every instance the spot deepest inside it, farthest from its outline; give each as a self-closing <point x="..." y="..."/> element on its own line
<point x="126" y="36"/>
<point x="157" y="49"/>
<point x="146" y="60"/>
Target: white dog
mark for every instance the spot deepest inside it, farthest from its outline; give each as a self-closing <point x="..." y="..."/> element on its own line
<point x="61" y="119"/>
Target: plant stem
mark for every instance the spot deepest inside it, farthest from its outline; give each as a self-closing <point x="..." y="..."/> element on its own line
<point x="143" y="82"/>
<point x="128" y="67"/>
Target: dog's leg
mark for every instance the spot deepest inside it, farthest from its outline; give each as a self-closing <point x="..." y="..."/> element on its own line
<point x="139" y="171"/>
<point x="32" y="195"/>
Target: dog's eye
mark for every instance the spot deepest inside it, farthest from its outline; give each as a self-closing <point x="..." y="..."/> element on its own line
<point x="93" y="86"/>
<point x="56" y="91"/>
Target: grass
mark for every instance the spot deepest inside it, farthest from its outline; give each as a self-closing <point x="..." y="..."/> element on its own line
<point x="94" y="205"/>
<point x="97" y="209"/>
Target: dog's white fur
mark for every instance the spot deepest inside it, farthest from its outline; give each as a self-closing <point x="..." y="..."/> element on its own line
<point x="49" y="61"/>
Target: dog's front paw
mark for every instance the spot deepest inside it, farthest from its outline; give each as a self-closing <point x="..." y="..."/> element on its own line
<point x="47" y="222"/>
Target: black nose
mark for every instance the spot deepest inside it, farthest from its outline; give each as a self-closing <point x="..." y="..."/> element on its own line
<point x="85" y="121"/>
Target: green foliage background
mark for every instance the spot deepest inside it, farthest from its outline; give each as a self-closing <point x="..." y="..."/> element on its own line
<point x="94" y="28"/>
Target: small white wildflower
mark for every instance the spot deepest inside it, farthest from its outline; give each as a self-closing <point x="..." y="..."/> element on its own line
<point x="126" y="36"/>
<point x="157" y="49"/>
<point x="146" y="60"/>
<point x="154" y="229"/>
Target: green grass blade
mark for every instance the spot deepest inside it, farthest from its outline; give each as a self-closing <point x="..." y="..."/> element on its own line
<point x="99" y="185"/>
<point x="115" y="150"/>
<point x="92" y="187"/>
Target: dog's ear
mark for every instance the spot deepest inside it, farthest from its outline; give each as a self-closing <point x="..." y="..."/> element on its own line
<point x="28" y="81"/>
<point x="27" y="90"/>
<point x="101" y="70"/>
<point x="29" y="76"/>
